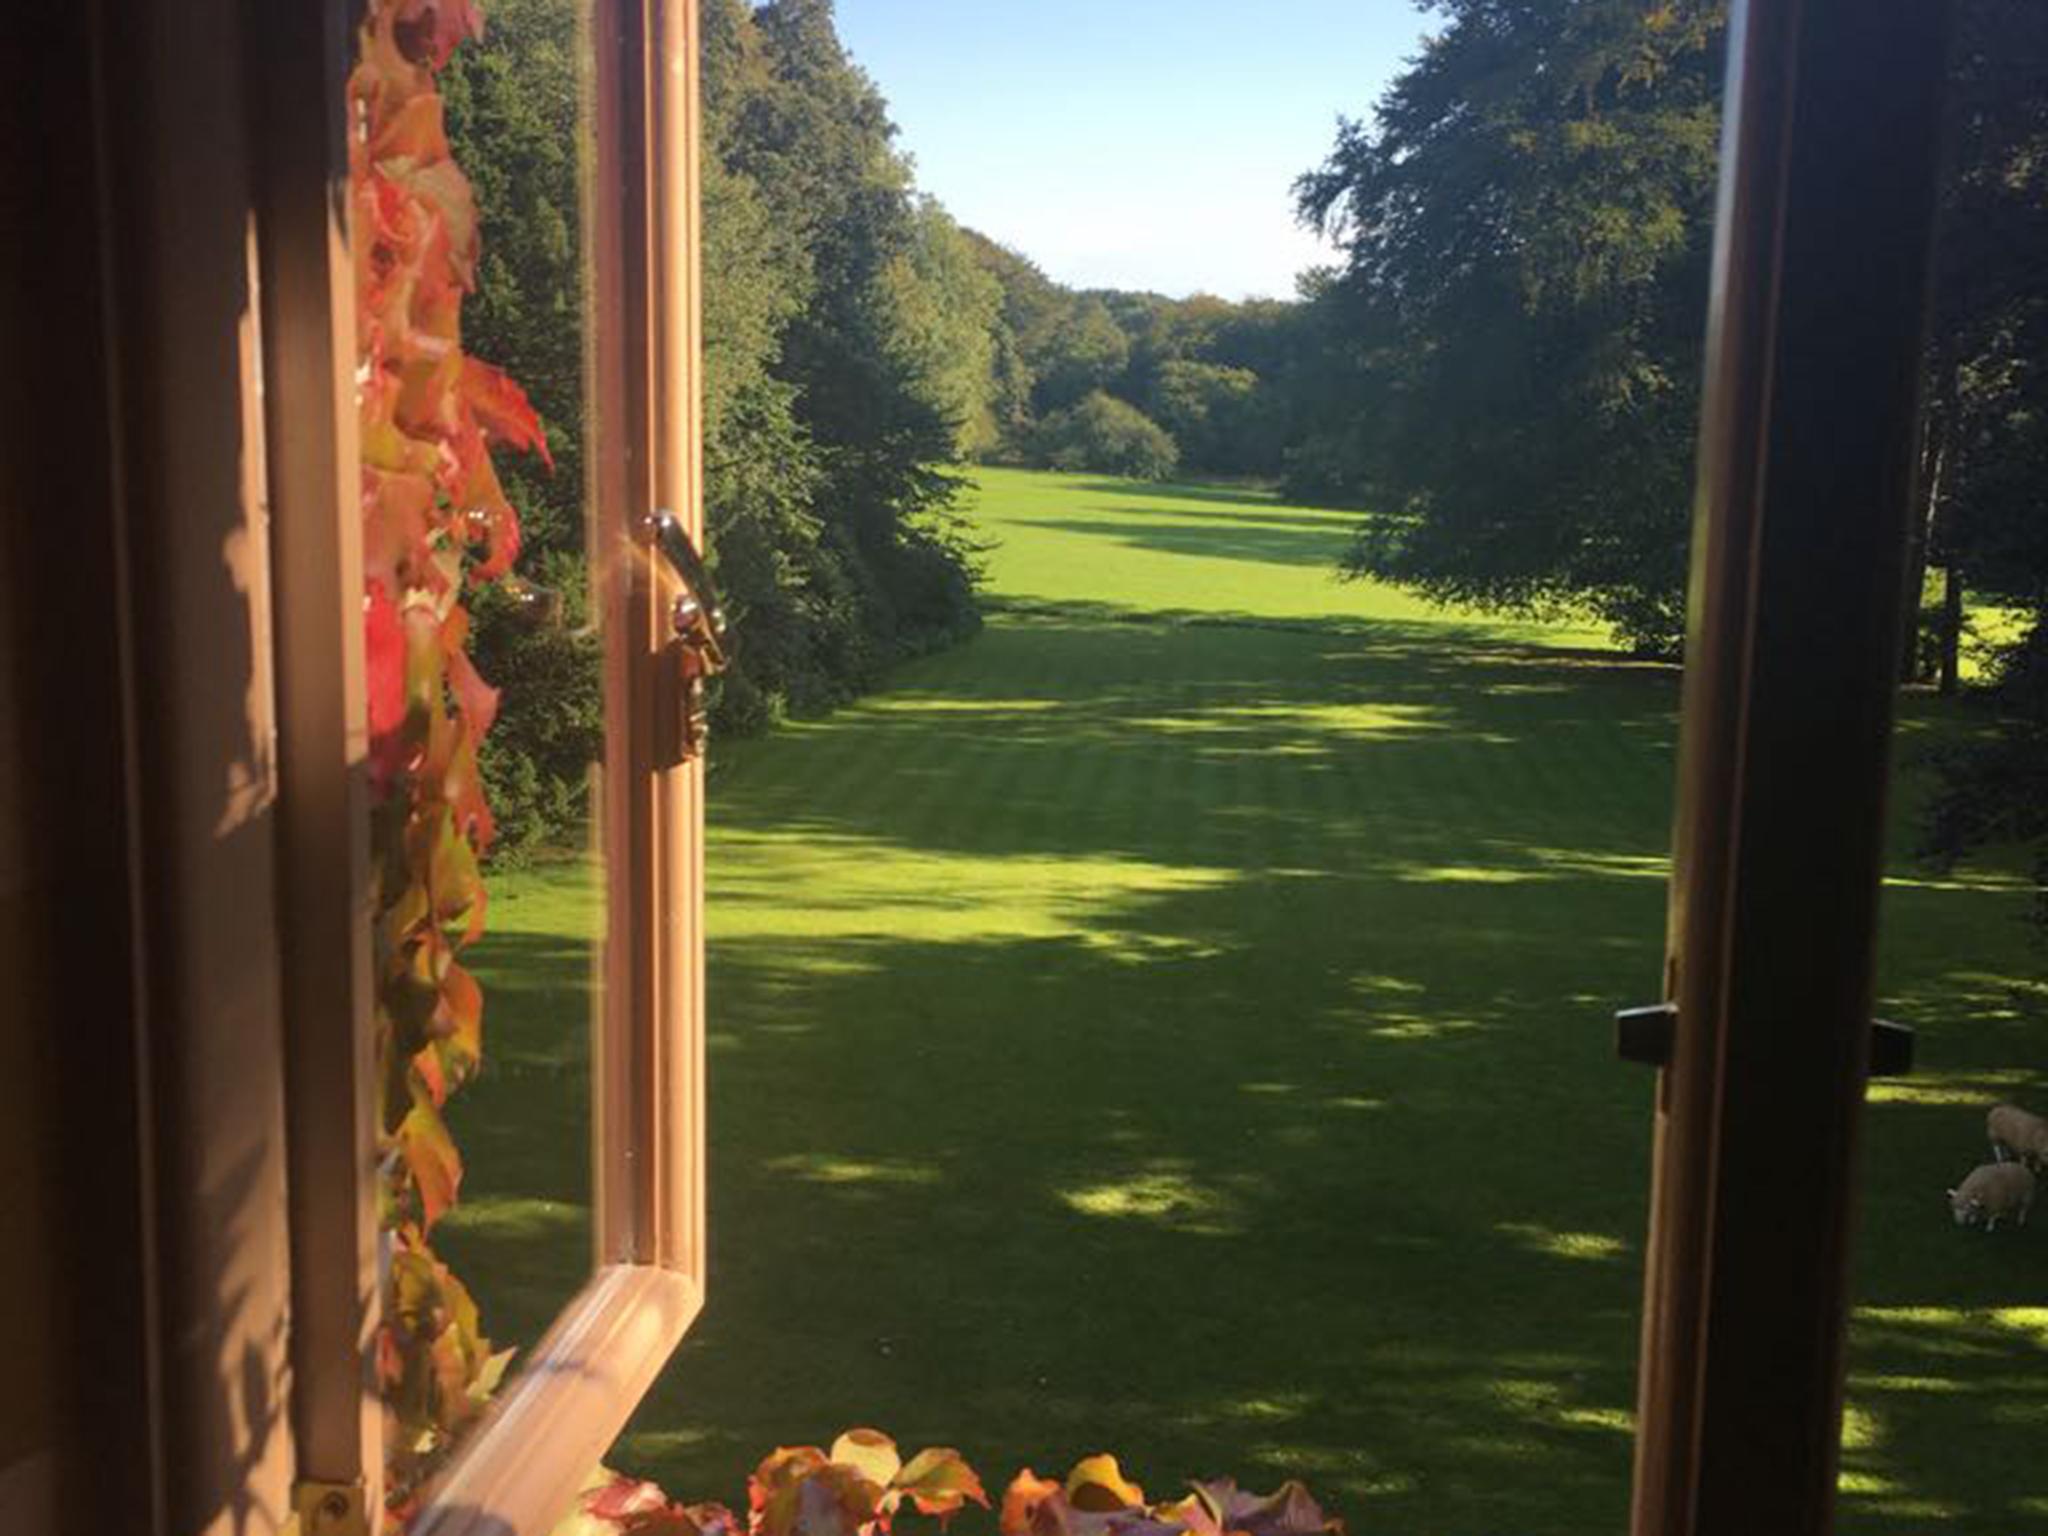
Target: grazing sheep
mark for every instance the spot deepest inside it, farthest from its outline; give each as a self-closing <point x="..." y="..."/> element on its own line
<point x="1993" y="1190"/>
<point x="2016" y="1133"/>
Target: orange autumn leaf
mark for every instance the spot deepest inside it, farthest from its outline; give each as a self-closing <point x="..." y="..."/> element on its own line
<point x="939" y="1482"/>
<point x="502" y="409"/>
<point x="463" y="1010"/>
<point x="1098" y="1486"/>
<point x="1022" y="1500"/>
<point x="431" y="1158"/>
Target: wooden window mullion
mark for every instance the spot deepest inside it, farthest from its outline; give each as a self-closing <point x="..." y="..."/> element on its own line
<point x="1797" y="603"/>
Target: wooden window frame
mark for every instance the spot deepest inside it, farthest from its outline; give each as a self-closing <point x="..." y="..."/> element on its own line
<point x="1798" y="598"/>
<point x="519" y="1469"/>
<point x="1805" y="455"/>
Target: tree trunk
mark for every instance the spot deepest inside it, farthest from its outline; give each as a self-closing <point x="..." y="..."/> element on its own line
<point x="1934" y="445"/>
<point x="1951" y="627"/>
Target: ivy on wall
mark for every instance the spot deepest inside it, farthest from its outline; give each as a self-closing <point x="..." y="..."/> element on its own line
<point x="436" y="525"/>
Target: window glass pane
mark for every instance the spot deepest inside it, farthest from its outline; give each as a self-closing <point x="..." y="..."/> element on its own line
<point x="1948" y="1363"/>
<point x="481" y="242"/>
<point x="1175" y="1021"/>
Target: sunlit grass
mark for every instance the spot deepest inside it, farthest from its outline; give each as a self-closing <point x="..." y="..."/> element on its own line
<point x="1178" y="1023"/>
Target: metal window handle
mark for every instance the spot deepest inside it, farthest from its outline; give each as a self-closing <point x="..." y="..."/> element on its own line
<point x="697" y="647"/>
<point x="1646" y="1035"/>
<point x="698" y="616"/>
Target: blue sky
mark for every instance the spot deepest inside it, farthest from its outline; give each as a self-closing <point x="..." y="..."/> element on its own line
<point x="1131" y="143"/>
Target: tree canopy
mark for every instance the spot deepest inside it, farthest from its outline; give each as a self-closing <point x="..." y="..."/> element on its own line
<point x="1513" y="341"/>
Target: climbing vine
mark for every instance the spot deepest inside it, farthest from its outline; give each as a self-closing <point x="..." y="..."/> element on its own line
<point x="435" y="524"/>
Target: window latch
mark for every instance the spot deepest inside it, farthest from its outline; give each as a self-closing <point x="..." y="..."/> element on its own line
<point x="697" y="646"/>
<point x="1646" y="1035"/>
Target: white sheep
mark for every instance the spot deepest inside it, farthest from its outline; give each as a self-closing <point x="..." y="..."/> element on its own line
<point x="2016" y="1133"/>
<point x="1993" y="1190"/>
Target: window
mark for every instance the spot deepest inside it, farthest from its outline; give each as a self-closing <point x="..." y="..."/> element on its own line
<point x="570" y="1391"/>
<point x="1825" y="215"/>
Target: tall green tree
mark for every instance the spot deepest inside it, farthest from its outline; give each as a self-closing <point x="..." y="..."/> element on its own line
<point x="851" y="357"/>
<point x="514" y="114"/>
<point x="943" y="319"/>
<point x="813" y="135"/>
<point x="1982" y="453"/>
<point x="1085" y="350"/>
<point x="1985" y="453"/>
<point x="1525" y="227"/>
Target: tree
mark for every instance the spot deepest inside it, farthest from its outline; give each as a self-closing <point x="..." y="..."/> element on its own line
<point x="812" y="133"/>
<point x="1085" y="350"/>
<point x="1108" y="436"/>
<point x="514" y="117"/>
<point x="1985" y="464"/>
<point x="852" y="352"/>
<point x="1982" y="456"/>
<point x="1518" y="320"/>
<point x="1224" y="419"/>
<point x="944" y="311"/>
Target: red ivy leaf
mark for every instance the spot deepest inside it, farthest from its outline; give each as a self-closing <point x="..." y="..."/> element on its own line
<point x="834" y="1501"/>
<point x="384" y="641"/>
<point x="477" y="699"/>
<point x="429" y="30"/>
<point x="503" y="410"/>
<point x="1290" y="1510"/>
<point x="623" y="1497"/>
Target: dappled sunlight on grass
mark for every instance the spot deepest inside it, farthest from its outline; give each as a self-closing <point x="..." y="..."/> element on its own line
<point x="1468" y="874"/>
<point x="1549" y="1403"/>
<point x="821" y="1168"/>
<point x="2029" y="1323"/>
<point x="1408" y="1027"/>
<point x="1179" y="1022"/>
<point x="1584" y="1247"/>
<point x="856" y="887"/>
<point x="1163" y="1195"/>
<point x="1975" y="1090"/>
<point x="1331" y="725"/>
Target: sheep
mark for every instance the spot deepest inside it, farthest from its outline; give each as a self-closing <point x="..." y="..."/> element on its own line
<point x="1993" y="1190"/>
<point x="2016" y="1133"/>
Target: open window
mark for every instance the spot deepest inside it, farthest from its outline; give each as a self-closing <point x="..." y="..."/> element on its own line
<point x="569" y="1390"/>
<point x="209" y="956"/>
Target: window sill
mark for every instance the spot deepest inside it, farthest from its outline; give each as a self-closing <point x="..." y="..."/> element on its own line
<point x="520" y="1471"/>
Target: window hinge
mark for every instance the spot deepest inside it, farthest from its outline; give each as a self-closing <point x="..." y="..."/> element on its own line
<point x="329" y="1509"/>
<point x="1646" y="1035"/>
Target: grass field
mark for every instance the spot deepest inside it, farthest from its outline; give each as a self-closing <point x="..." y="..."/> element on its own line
<point x="1177" y="1023"/>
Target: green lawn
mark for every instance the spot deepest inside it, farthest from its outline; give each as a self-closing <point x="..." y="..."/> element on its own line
<point x="1177" y="1023"/>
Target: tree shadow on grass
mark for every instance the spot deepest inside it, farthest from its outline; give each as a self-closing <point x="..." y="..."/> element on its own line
<point x="1238" y="1200"/>
<point x="1231" y="496"/>
<point x="1277" y="542"/>
<point x="1212" y="1014"/>
<point x="1189" y="1038"/>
